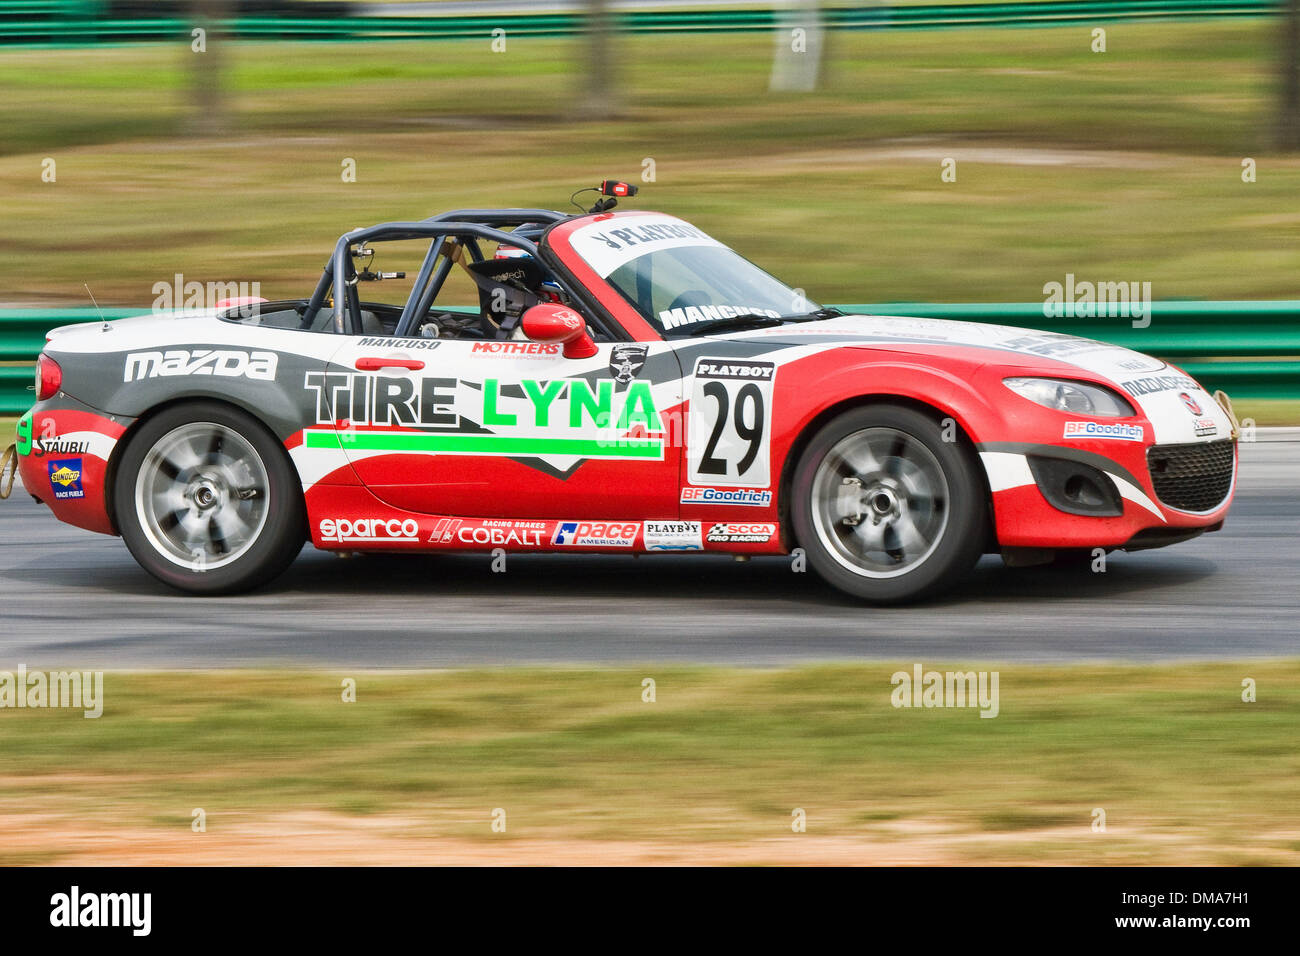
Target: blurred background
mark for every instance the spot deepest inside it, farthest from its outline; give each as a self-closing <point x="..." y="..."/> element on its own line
<point x="925" y="153"/>
<point x="213" y="137"/>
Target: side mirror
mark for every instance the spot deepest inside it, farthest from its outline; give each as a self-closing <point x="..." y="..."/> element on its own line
<point x="558" y="325"/>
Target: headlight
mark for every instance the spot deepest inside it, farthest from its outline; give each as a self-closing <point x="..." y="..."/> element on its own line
<point x="1067" y="396"/>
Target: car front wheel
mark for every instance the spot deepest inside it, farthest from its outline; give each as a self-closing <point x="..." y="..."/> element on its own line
<point x="887" y="505"/>
<point x="207" y="500"/>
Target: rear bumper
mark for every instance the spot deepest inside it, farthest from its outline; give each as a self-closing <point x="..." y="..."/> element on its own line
<point x="65" y="450"/>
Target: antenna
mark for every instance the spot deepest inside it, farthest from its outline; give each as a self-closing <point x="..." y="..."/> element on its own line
<point x="105" y="327"/>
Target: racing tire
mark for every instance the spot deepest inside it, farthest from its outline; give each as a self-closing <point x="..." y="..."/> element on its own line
<point x="207" y="500"/>
<point x="886" y="509"/>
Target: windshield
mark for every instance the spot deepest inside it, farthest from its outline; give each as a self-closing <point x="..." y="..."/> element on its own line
<point x="679" y="279"/>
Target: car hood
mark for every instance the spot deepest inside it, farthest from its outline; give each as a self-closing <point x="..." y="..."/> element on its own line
<point x="1178" y="407"/>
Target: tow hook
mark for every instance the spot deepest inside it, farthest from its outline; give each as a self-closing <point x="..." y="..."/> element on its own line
<point x="8" y="461"/>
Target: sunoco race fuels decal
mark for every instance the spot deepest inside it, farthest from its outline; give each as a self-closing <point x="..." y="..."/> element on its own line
<point x="65" y="478"/>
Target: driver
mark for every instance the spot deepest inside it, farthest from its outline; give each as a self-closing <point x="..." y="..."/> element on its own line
<point x="507" y="286"/>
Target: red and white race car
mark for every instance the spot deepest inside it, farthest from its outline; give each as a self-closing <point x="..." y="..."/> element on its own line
<point x="626" y="384"/>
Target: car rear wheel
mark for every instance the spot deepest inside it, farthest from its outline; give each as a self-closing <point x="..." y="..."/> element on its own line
<point x="886" y="508"/>
<point x="207" y="500"/>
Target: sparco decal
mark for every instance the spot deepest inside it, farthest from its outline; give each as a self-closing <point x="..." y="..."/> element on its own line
<point x="673" y="536"/>
<point x="230" y="363"/>
<point x="596" y="534"/>
<point x="369" y="530"/>
<point x="737" y="533"/>
<point x="726" y="496"/>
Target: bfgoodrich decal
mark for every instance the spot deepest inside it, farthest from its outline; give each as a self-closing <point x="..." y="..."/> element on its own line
<point x="1103" y="430"/>
<point x="726" y="496"/>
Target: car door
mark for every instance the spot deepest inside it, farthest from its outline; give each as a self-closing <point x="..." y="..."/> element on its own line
<point x="510" y="428"/>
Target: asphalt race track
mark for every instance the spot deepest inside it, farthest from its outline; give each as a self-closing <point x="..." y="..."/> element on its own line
<point x="75" y="599"/>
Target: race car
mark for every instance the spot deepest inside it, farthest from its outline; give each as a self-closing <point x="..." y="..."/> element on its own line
<point x="626" y="384"/>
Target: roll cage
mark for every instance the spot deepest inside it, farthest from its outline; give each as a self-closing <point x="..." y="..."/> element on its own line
<point x="522" y="228"/>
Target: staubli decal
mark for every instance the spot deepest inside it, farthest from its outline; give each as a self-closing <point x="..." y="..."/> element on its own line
<point x="58" y="446"/>
<point x="230" y="363"/>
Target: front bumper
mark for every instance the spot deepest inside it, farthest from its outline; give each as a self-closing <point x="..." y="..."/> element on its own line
<point x="1150" y="492"/>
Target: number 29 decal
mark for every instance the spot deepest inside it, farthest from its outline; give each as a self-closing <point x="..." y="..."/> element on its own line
<point x="730" y="433"/>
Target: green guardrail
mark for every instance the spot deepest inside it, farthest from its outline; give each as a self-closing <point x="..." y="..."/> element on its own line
<point x="67" y="27"/>
<point x="1250" y="349"/>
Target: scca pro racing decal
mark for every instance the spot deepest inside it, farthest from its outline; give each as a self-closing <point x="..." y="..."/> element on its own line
<point x="740" y="533"/>
<point x="65" y="478"/>
<point x="727" y="496"/>
<point x="673" y="536"/>
<point x="1100" y="430"/>
<point x="731" y="422"/>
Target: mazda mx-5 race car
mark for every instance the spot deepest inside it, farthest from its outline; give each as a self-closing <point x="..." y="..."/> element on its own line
<point x="626" y="384"/>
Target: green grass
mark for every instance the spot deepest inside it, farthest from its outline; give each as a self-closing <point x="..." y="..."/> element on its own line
<point x="1170" y="753"/>
<point x="1122" y="166"/>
